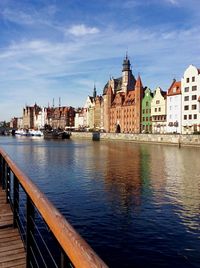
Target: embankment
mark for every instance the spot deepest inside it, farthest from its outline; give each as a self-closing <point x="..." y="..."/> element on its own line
<point x="170" y="139"/>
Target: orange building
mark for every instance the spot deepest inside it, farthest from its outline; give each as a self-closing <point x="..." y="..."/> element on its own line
<point x="122" y="99"/>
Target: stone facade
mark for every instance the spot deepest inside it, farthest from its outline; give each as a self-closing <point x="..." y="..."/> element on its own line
<point x="29" y="115"/>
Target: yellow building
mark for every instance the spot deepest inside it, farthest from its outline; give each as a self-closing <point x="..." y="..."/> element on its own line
<point x="158" y="111"/>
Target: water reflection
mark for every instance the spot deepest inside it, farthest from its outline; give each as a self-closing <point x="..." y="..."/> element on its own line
<point x="183" y="181"/>
<point x="138" y="205"/>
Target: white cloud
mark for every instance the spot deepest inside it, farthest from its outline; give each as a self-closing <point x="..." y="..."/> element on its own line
<point x="81" y="30"/>
<point x="173" y="2"/>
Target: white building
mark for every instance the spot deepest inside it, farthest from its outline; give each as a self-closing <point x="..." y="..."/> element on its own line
<point x="89" y="112"/>
<point x="40" y="118"/>
<point x="79" y="119"/>
<point x="174" y="115"/>
<point x="190" y="84"/>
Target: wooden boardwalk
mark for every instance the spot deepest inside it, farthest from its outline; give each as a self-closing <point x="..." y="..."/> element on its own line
<point x="12" y="253"/>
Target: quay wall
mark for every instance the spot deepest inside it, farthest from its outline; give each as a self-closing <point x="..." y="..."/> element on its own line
<point x="170" y="139"/>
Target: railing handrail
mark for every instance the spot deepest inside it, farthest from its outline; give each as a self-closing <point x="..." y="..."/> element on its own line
<point x="75" y="247"/>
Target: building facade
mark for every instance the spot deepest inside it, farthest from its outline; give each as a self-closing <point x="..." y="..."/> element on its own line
<point x="174" y="106"/>
<point x="158" y="111"/>
<point x="190" y="84"/>
<point x="146" y="121"/>
<point x="122" y="101"/>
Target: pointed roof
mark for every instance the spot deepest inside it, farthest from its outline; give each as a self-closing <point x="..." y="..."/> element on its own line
<point x="175" y="88"/>
<point x="139" y="82"/>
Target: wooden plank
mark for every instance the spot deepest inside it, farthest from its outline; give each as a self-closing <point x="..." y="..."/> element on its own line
<point x="12" y="252"/>
<point x="9" y="247"/>
<point x="21" y="262"/>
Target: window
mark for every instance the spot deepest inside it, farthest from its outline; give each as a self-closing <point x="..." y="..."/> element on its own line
<point x="170" y="116"/>
<point x="143" y="111"/>
<point x="190" y="116"/>
<point x="186" y="89"/>
<point x="174" y="90"/>
<point x="186" y="98"/>
<point x="157" y="102"/>
<point x="147" y="119"/>
<point x="159" y="109"/>
<point x="155" y="109"/>
<point x="194" y="107"/>
<point x="147" y="111"/>
<point x="187" y="80"/>
<point x="147" y="104"/>
<point x="195" y="116"/>
<point x="193" y="79"/>
<point x="194" y="97"/>
<point x="185" y="117"/>
<point x="194" y="88"/>
<point x="186" y="107"/>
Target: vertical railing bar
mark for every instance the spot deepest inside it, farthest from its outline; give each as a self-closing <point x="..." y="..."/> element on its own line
<point x="7" y="183"/>
<point x="15" y="200"/>
<point x="1" y="170"/>
<point x="29" y="228"/>
<point x="3" y="173"/>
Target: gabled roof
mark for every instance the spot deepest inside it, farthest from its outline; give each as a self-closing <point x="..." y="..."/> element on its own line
<point x="175" y="88"/>
<point x="139" y="82"/>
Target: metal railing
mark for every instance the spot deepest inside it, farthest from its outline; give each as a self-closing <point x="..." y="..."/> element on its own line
<point x="49" y="240"/>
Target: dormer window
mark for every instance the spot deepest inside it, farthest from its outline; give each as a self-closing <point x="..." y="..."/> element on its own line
<point x="174" y="90"/>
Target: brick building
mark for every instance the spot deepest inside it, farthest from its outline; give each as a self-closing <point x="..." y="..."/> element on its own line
<point x="122" y="99"/>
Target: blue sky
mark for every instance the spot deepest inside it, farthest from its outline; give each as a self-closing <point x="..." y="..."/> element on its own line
<point x="59" y="48"/>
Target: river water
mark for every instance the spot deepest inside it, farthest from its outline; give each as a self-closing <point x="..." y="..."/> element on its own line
<point x="137" y="205"/>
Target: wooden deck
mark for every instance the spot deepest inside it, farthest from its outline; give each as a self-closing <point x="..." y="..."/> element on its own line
<point x="12" y="253"/>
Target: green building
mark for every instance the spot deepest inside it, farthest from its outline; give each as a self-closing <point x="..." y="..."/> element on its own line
<point x="146" y="112"/>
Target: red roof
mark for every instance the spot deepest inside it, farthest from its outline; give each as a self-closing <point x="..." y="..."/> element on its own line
<point x="139" y="82"/>
<point x="175" y="88"/>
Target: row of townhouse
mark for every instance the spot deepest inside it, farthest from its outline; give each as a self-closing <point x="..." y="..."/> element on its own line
<point x="126" y="106"/>
<point x="174" y="111"/>
<point x="36" y="117"/>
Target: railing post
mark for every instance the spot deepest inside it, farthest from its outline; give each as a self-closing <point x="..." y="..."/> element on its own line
<point x="7" y="183"/>
<point x="29" y="229"/>
<point x="1" y="170"/>
<point x="3" y="173"/>
<point x="15" y="200"/>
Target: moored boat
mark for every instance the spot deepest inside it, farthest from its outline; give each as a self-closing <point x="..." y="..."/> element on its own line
<point x="55" y="134"/>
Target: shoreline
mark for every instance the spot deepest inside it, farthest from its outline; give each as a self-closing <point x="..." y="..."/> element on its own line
<point x="166" y="139"/>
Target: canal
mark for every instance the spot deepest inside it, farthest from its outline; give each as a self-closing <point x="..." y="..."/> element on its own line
<point x="137" y="205"/>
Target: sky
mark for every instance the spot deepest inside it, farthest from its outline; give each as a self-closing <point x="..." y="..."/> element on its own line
<point x="51" y="49"/>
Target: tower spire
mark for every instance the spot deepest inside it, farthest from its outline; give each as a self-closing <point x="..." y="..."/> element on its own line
<point x="94" y="91"/>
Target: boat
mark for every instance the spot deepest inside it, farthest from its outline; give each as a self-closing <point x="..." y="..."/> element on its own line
<point x="28" y="132"/>
<point x="22" y="132"/>
<point x="55" y="134"/>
